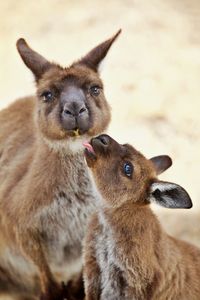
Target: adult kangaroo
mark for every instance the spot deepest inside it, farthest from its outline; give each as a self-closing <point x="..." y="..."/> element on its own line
<point x="46" y="195"/>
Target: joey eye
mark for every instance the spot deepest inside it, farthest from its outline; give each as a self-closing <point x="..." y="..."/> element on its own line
<point x="47" y="96"/>
<point x="95" y="90"/>
<point x="128" y="169"/>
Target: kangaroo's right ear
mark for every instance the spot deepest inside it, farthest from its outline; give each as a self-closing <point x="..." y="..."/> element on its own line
<point x="33" y="60"/>
<point x="169" y="195"/>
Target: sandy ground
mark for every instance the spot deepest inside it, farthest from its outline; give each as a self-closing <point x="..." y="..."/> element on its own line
<point x="151" y="75"/>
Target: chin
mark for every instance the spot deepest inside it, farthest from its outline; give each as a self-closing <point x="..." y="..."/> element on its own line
<point x="75" y="144"/>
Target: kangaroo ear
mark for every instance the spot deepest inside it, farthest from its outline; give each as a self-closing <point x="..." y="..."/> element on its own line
<point x="169" y="195"/>
<point x="97" y="54"/>
<point x="33" y="60"/>
<point x="161" y="163"/>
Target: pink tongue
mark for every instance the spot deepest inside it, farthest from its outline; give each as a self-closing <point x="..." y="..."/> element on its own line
<point x="88" y="146"/>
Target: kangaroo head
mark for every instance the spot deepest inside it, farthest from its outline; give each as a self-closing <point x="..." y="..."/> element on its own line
<point x="123" y="174"/>
<point x="70" y="101"/>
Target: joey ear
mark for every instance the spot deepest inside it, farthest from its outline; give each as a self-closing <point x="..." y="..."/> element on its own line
<point x="161" y="163"/>
<point x="97" y="54"/>
<point x="169" y="195"/>
<point x="33" y="60"/>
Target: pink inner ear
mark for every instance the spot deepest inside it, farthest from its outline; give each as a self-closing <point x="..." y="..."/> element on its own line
<point x="88" y="146"/>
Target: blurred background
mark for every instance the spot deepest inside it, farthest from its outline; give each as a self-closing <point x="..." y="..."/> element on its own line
<point x="151" y="75"/>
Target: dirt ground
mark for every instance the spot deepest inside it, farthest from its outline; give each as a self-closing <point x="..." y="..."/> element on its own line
<point x="151" y="75"/>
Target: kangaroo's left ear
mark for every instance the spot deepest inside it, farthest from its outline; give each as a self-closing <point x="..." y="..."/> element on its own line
<point x="97" y="54"/>
<point x="161" y="163"/>
<point x="169" y="195"/>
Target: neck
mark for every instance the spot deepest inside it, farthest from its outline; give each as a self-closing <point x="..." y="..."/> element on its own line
<point x="134" y="220"/>
<point x="57" y="160"/>
<point x="69" y="146"/>
<point x="128" y="209"/>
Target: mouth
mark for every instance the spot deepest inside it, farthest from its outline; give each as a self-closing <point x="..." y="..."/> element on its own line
<point x="75" y="133"/>
<point x="97" y="147"/>
<point x="90" y="154"/>
<point x="88" y="147"/>
<point x="72" y="133"/>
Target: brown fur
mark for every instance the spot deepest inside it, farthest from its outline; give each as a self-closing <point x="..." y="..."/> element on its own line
<point x="127" y="254"/>
<point x="45" y="193"/>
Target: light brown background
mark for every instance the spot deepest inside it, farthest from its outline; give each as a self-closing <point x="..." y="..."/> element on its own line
<point x="151" y="75"/>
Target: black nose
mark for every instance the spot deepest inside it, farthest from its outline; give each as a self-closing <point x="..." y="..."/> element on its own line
<point x="74" y="109"/>
<point x="74" y="112"/>
<point x="75" y="115"/>
<point x="104" y="139"/>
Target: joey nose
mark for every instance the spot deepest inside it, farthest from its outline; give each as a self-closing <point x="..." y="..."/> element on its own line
<point x="104" y="140"/>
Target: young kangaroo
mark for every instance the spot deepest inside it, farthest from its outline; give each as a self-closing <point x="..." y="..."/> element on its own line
<point x="45" y="192"/>
<point x="127" y="254"/>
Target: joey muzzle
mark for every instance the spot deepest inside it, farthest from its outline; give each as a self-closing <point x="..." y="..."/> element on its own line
<point x="75" y="115"/>
<point x="98" y="146"/>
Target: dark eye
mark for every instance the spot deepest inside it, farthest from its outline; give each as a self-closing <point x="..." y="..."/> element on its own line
<point x="128" y="169"/>
<point x="47" y="96"/>
<point x="95" y="90"/>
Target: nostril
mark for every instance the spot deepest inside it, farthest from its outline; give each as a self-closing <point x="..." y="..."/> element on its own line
<point x="82" y="110"/>
<point x="67" y="112"/>
<point x="104" y="140"/>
